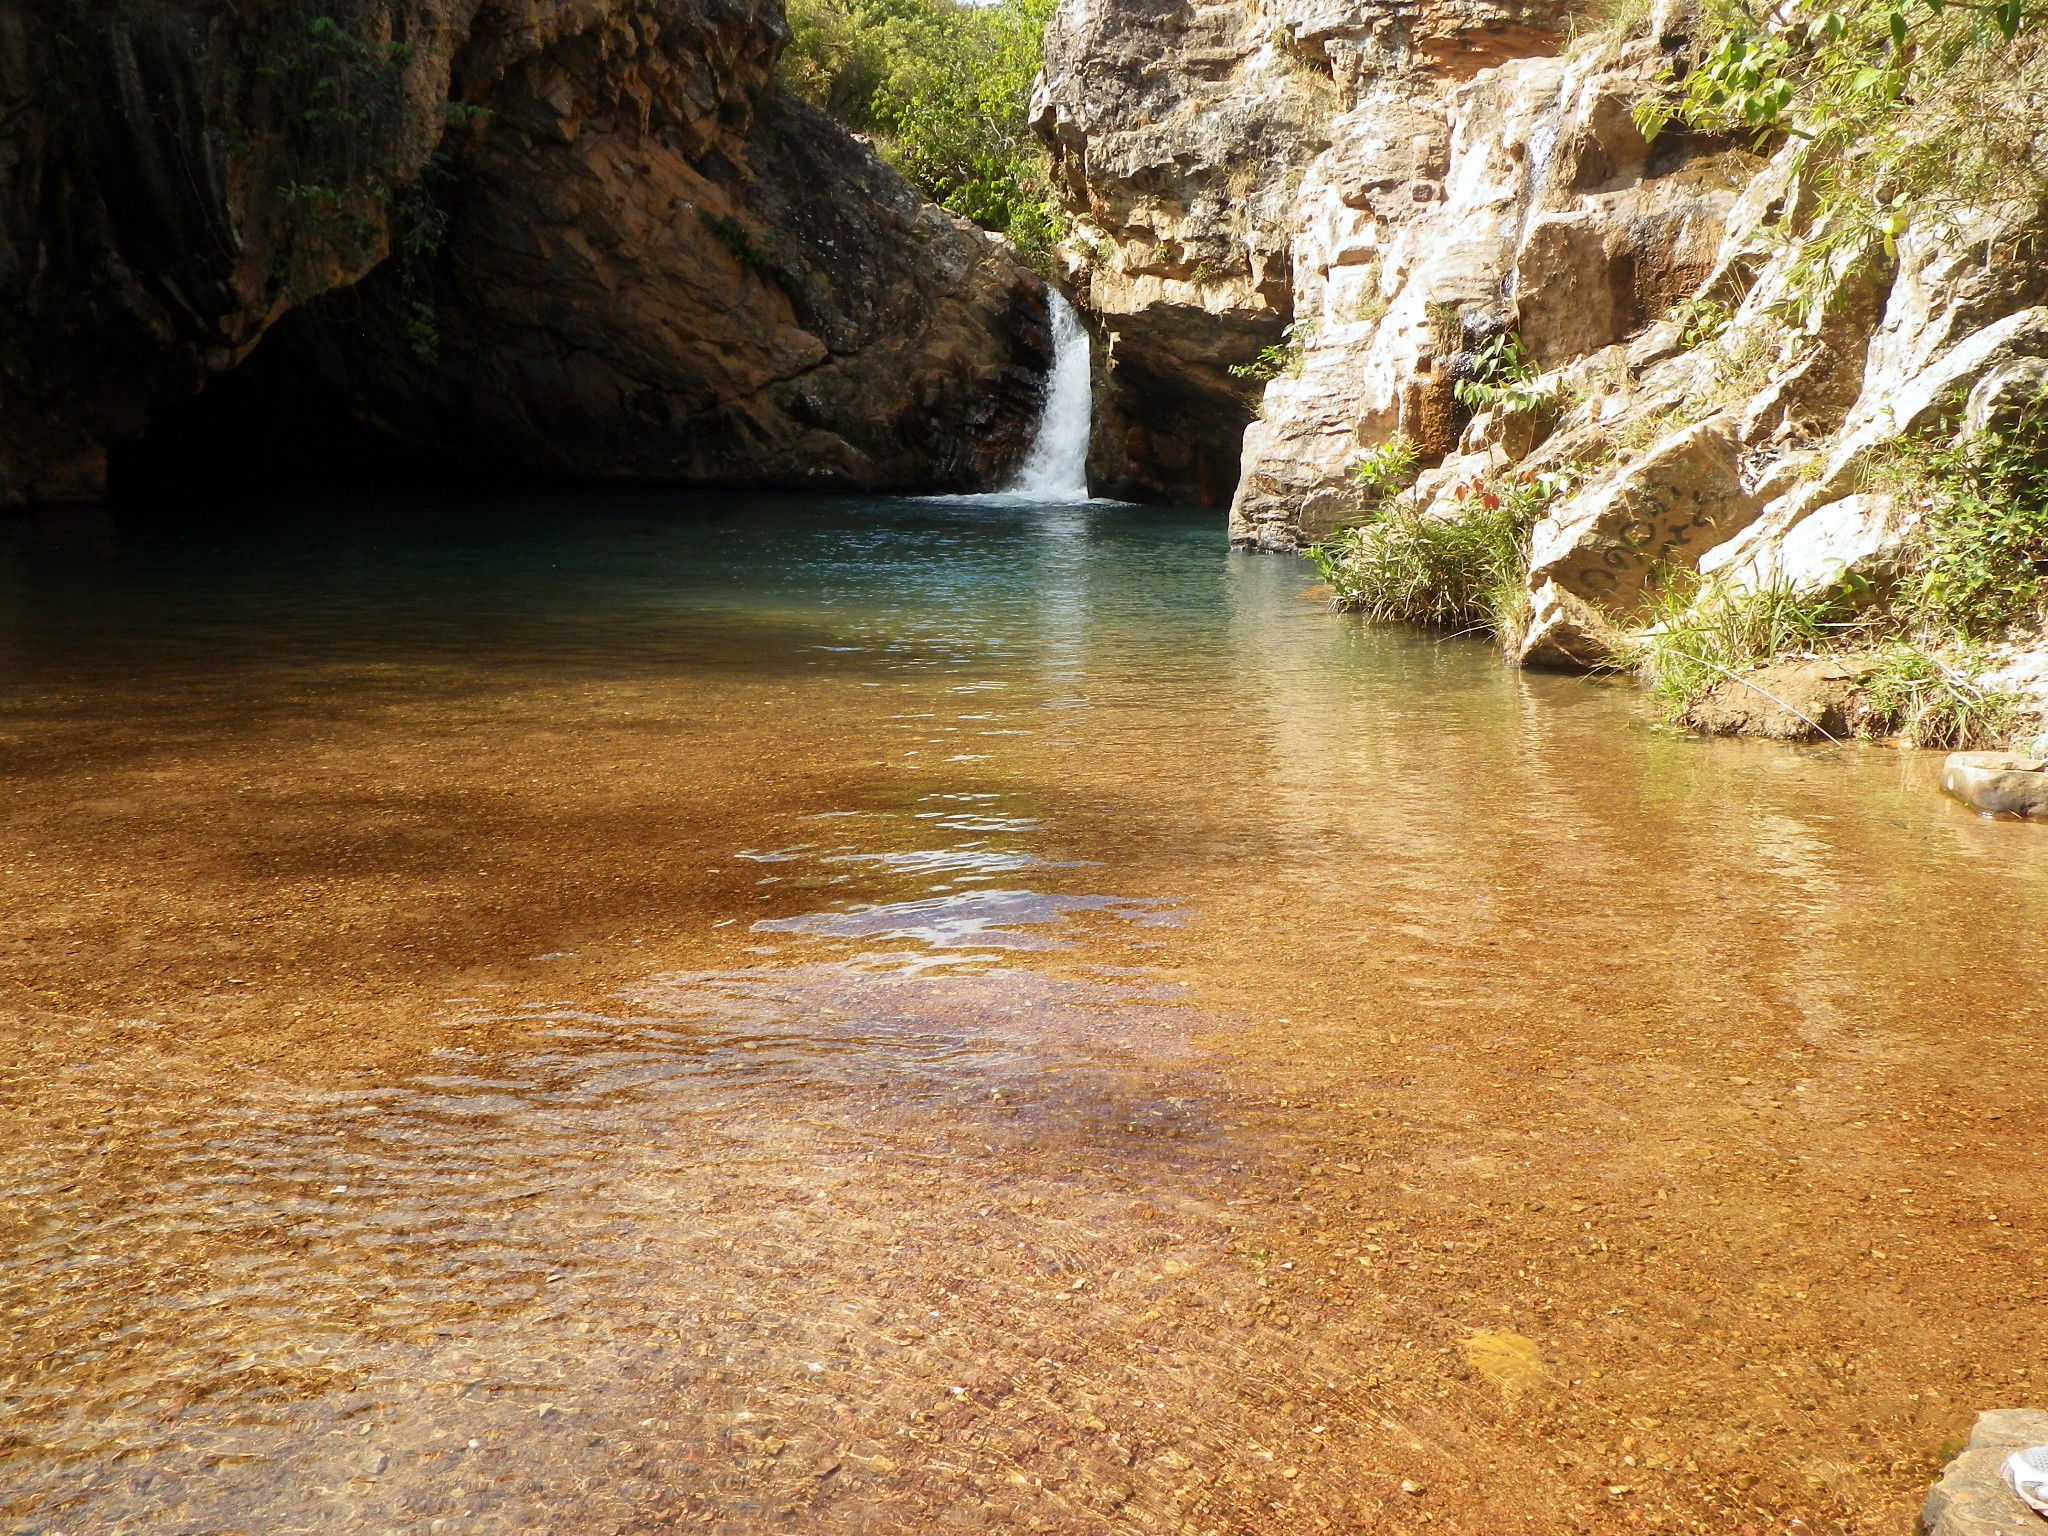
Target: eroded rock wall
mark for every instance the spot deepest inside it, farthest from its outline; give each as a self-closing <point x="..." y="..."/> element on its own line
<point x="585" y="237"/>
<point x="1188" y="142"/>
<point x="1175" y="131"/>
<point x="1522" y="201"/>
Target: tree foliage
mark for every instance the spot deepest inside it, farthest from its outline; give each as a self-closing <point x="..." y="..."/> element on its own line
<point x="944" y="88"/>
<point x="1902" y="112"/>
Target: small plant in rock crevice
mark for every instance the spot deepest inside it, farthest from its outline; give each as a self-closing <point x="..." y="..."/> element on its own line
<point x="1700" y="321"/>
<point x="1386" y="470"/>
<point x="1284" y="357"/>
<point x="1499" y="372"/>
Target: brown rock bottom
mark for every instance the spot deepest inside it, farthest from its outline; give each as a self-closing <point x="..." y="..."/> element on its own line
<point x="949" y="1020"/>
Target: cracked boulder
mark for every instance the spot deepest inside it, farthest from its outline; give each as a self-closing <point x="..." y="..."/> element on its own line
<point x="1664" y="510"/>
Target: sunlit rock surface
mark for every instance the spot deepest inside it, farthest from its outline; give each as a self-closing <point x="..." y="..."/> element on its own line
<point x="2000" y="783"/>
<point x="1973" y="1497"/>
<point x="1380" y="197"/>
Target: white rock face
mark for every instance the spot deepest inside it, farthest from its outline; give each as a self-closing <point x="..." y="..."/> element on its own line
<point x="1607" y="543"/>
<point x="1859" y="538"/>
<point x="1449" y="209"/>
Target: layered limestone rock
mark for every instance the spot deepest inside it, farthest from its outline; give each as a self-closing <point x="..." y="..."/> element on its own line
<point x="1448" y="212"/>
<point x="1192" y="144"/>
<point x="585" y="237"/>
<point x="1478" y="254"/>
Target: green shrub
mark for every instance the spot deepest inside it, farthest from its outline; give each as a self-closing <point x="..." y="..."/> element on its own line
<point x="1979" y="558"/>
<point x="1931" y="701"/>
<point x="1466" y="573"/>
<point x="944" y="88"/>
<point x="1901" y="111"/>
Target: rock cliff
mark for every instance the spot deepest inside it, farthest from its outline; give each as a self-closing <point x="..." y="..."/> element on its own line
<point x="591" y="237"/>
<point x="1185" y="139"/>
<point x="1421" y="193"/>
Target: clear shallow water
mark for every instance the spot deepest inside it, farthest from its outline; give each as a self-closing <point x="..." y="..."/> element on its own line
<point x="608" y="1013"/>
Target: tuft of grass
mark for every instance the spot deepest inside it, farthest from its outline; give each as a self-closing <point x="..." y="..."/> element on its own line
<point x="1930" y="700"/>
<point x="1424" y="570"/>
<point x="1701" y="632"/>
<point x="1609" y="18"/>
<point x="1467" y="574"/>
<point x="1920" y="689"/>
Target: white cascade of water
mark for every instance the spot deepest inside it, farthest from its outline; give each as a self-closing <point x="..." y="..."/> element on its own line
<point x="1056" y="468"/>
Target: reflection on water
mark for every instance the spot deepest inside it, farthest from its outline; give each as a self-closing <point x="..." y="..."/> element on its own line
<point x="984" y="919"/>
<point x="613" y="1014"/>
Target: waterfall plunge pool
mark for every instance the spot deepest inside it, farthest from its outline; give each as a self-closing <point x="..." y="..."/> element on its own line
<point x="604" y="1012"/>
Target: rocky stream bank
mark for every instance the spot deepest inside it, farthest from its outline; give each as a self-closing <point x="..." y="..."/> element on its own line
<point x="1316" y="219"/>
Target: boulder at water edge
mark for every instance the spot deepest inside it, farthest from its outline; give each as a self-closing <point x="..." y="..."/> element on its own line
<point x="1999" y="783"/>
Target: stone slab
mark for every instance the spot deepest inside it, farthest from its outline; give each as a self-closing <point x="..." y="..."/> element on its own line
<point x="1973" y="1497"/>
<point x="1999" y="784"/>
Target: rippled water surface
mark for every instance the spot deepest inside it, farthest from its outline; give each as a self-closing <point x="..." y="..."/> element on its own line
<point x="618" y="1013"/>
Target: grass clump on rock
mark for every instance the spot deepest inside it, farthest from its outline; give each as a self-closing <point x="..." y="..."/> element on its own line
<point x="1465" y="572"/>
<point x="1932" y="700"/>
<point x="1701" y="633"/>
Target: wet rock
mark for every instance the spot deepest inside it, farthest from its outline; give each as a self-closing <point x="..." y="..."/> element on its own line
<point x="1999" y="784"/>
<point x="1665" y="509"/>
<point x="1805" y="699"/>
<point x="1973" y="1498"/>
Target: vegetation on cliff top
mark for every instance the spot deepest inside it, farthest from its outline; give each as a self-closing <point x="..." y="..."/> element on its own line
<point x="944" y="88"/>
<point x="1904" y="112"/>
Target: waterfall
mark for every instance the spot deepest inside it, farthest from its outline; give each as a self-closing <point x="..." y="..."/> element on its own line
<point x="1056" y="468"/>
